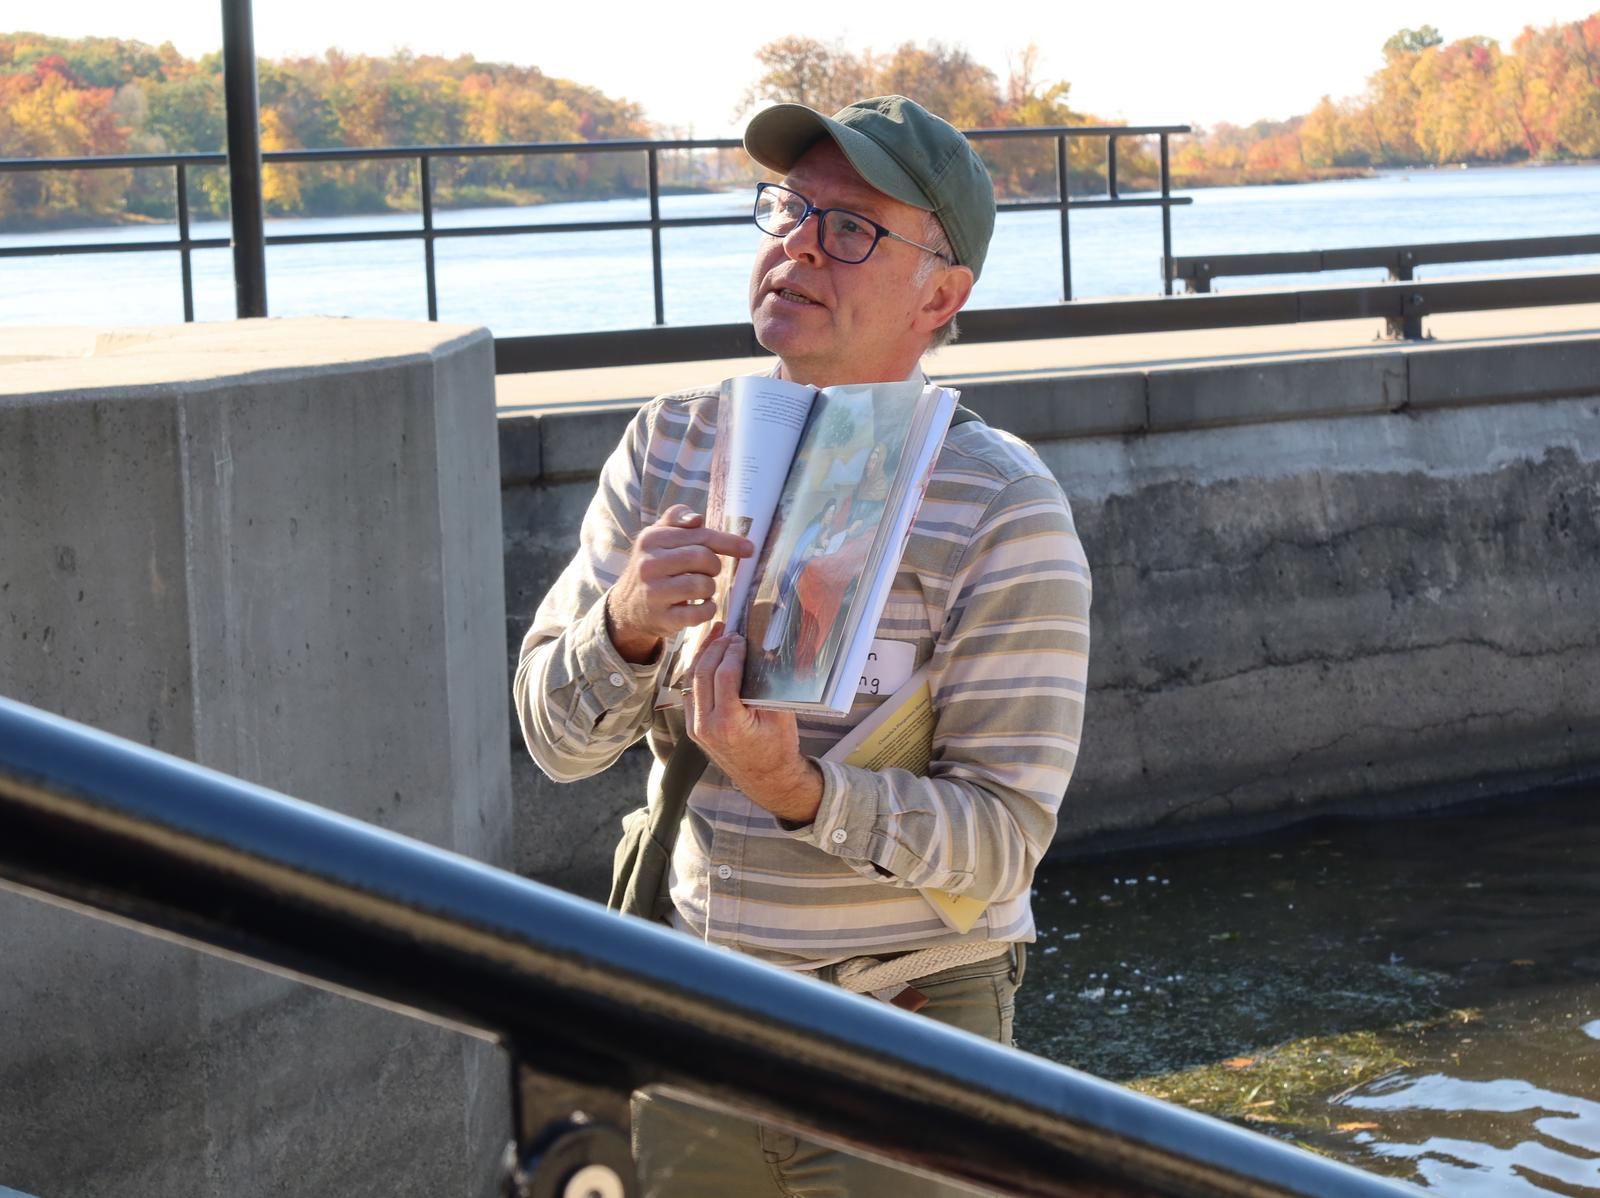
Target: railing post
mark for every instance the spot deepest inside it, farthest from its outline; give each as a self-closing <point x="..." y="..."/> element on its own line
<point x="425" y="181"/>
<point x="1066" y="238"/>
<point x="182" y="184"/>
<point x="1409" y="325"/>
<point x="1111" y="166"/>
<point x="655" y="234"/>
<point x="244" y="160"/>
<point x="1166" y="221"/>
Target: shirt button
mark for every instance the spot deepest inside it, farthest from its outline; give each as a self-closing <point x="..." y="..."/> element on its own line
<point x="617" y="680"/>
<point x="724" y="872"/>
<point x="838" y="836"/>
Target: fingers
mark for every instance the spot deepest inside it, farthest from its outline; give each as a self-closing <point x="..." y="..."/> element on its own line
<point x="680" y="515"/>
<point x="727" y="679"/>
<point x="701" y="703"/>
<point x="680" y="526"/>
<point x="687" y="559"/>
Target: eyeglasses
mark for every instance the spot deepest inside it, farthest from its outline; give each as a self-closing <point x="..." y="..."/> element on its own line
<point x="843" y="235"/>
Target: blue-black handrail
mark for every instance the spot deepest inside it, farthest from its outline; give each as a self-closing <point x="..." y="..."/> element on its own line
<point x="130" y="833"/>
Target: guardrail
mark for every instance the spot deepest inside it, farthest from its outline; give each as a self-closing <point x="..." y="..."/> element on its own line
<point x="133" y="834"/>
<point x="1401" y="261"/>
<point x="429" y="233"/>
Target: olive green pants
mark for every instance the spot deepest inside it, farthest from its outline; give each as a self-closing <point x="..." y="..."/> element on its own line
<point x="685" y="1151"/>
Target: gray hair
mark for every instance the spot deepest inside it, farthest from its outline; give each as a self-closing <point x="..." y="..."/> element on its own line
<point x="933" y="235"/>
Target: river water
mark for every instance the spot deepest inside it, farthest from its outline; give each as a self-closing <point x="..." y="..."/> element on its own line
<point x="570" y="282"/>
<point x="1419" y="997"/>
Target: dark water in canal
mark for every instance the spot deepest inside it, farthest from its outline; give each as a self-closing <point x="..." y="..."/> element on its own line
<point x="1419" y="997"/>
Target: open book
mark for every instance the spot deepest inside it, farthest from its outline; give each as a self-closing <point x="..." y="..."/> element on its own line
<point x="826" y="484"/>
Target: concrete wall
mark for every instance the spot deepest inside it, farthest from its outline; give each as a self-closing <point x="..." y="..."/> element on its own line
<point x="1359" y="579"/>
<point x="273" y="548"/>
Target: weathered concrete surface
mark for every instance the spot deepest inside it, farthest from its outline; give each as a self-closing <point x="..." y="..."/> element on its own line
<point x="1356" y="577"/>
<point x="272" y="547"/>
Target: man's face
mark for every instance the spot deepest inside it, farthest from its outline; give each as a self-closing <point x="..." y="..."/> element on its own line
<point x="835" y="322"/>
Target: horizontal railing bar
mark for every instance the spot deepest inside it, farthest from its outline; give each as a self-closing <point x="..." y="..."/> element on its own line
<point x="111" y="247"/>
<point x="594" y="226"/>
<point x="1079" y="318"/>
<point x="1120" y="202"/>
<point x="447" y="231"/>
<point x="1011" y="133"/>
<point x="1156" y="201"/>
<point x="1188" y="266"/>
<point x="615" y="146"/>
<point x="112" y="162"/>
<point x="135" y="835"/>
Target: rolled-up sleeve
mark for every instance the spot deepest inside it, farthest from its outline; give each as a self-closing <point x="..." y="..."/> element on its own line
<point x="1010" y="673"/>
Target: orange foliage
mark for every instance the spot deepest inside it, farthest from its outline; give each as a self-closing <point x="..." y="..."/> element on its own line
<point x="1433" y="103"/>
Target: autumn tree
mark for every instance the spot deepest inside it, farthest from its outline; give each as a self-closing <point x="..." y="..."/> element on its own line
<point x="804" y="70"/>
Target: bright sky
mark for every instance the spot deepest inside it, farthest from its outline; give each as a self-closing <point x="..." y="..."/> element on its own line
<point x="688" y="61"/>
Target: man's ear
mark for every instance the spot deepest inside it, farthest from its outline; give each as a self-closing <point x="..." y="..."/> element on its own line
<point x="949" y="290"/>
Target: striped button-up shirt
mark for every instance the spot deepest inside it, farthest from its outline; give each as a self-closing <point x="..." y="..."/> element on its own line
<point x="992" y="590"/>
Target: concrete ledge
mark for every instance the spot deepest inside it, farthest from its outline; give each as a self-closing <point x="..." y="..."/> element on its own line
<point x="561" y="445"/>
<point x="521" y="450"/>
<point x="1079" y="405"/>
<point x="577" y="444"/>
<point x="1296" y="389"/>
<point x="1495" y="373"/>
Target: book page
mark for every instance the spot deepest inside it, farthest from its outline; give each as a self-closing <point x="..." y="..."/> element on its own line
<point x="926" y="422"/>
<point x="899" y="735"/>
<point x="759" y="423"/>
<point x="832" y="514"/>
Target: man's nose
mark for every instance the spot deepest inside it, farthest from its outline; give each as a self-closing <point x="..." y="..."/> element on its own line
<point x="804" y="241"/>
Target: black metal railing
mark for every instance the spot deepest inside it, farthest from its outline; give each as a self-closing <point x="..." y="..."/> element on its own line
<point x="1401" y="261"/>
<point x="589" y="1005"/>
<point x="429" y="232"/>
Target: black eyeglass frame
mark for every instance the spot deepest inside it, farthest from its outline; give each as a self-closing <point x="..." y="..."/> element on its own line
<point x="879" y="232"/>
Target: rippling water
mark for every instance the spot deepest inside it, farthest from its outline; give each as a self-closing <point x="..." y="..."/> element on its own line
<point x="1419" y="997"/>
<point x="565" y="282"/>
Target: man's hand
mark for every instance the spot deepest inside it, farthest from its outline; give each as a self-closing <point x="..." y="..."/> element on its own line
<point x="758" y="749"/>
<point x="673" y="565"/>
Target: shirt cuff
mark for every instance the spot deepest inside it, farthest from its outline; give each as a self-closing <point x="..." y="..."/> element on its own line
<point x="847" y="818"/>
<point x="612" y="680"/>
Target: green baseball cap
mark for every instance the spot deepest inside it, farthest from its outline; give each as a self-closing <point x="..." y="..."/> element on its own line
<point x="900" y="148"/>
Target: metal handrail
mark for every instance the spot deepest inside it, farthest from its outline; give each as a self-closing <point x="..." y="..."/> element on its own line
<point x="1196" y="271"/>
<point x="1401" y="261"/>
<point x="123" y="831"/>
<point x="429" y="232"/>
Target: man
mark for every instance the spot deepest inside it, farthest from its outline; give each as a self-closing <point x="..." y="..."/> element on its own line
<point x="875" y="239"/>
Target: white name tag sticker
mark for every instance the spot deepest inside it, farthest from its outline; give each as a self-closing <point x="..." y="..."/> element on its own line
<point x="889" y="667"/>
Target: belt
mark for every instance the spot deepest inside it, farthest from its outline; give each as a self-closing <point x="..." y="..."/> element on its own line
<point x="889" y="978"/>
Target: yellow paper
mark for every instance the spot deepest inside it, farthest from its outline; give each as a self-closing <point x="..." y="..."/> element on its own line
<point x="899" y="735"/>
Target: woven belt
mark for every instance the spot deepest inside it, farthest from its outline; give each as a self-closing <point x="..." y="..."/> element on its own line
<point x="887" y="979"/>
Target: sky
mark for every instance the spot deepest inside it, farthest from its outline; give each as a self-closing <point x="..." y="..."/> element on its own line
<point x="688" y="62"/>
